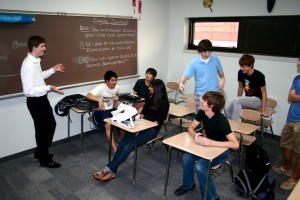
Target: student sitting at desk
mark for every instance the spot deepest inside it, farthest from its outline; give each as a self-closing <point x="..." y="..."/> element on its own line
<point x="107" y="96"/>
<point x="141" y="87"/>
<point x="156" y="109"/>
<point x="253" y="83"/>
<point x="217" y="133"/>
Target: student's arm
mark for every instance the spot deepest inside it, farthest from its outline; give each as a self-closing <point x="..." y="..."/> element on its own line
<point x="240" y="89"/>
<point x="181" y="83"/>
<point x="263" y="90"/>
<point x="222" y="80"/>
<point x="192" y="129"/>
<point x="92" y="97"/>
<point x="231" y="143"/>
<point x="293" y="97"/>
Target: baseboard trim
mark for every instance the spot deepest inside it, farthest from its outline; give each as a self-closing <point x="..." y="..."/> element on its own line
<point x="31" y="151"/>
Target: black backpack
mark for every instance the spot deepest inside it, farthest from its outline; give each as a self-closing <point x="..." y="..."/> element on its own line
<point x="75" y="100"/>
<point x="257" y="159"/>
<point x="253" y="186"/>
<point x="63" y="106"/>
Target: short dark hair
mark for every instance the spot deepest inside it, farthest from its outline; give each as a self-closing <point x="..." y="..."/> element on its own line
<point x="215" y="100"/>
<point x="247" y="60"/>
<point x="204" y="45"/>
<point x="151" y="71"/>
<point x="35" y="41"/>
<point x="109" y="74"/>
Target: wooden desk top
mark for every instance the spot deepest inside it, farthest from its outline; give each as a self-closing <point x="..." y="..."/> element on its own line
<point x="269" y="112"/>
<point x="242" y="127"/>
<point x="144" y="124"/>
<point x="294" y="195"/>
<point x="185" y="142"/>
<point x="180" y="111"/>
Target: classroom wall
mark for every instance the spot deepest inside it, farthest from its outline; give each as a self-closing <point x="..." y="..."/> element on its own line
<point x="161" y="40"/>
<point x="279" y="71"/>
<point x="17" y="130"/>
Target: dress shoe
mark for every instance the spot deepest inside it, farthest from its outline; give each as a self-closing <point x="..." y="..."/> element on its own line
<point x="180" y="191"/>
<point x="50" y="164"/>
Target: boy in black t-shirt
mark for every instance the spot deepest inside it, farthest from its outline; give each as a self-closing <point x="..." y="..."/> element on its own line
<point x="253" y="83"/>
<point x="217" y="133"/>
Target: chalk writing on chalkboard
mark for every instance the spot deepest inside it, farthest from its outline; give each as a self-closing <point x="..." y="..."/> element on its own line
<point x="87" y="46"/>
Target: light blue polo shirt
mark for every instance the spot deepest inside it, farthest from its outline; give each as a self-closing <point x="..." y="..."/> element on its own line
<point x="205" y="74"/>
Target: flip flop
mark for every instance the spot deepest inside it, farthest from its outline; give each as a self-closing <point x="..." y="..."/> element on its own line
<point x="107" y="177"/>
<point x="99" y="175"/>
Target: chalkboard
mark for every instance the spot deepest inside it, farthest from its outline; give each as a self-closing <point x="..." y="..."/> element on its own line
<point x="87" y="46"/>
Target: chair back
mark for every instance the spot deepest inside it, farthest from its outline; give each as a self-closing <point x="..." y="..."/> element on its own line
<point x="250" y="116"/>
<point x="190" y="103"/>
<point x="173" y="85"/>
<point x="271" y="103"/>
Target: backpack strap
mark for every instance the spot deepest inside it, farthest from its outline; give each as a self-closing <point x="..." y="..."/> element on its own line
<point x="242" y="183"/>
<point x="248" y="183"/>
<point x="260" y="183"/>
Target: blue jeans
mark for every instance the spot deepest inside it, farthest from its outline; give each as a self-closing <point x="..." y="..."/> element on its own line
<point x="126" y="146"/>
<point x="188" y="162"/>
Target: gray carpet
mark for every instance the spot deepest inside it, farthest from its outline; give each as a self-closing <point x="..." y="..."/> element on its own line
<point x="23" y="178"/>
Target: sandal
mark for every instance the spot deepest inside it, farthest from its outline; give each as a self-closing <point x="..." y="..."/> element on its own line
<point x="107" y="177"/>
<point x="99" y="175"/>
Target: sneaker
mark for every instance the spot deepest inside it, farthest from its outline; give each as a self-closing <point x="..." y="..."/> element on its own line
<point x="288" y="184"/>
<point x="280" y="170"/>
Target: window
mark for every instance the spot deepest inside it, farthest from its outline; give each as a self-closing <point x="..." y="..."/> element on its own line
<point x="276" y="36"/>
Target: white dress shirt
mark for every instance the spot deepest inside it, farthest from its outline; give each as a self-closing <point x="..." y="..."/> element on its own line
<point x="33" y="77"/>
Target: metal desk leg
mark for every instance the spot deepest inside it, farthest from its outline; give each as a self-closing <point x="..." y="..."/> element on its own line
<point x="81" y="135"/>
<point x="242" y="151"/>
<point x="167" y="172"/>
<point x="110" y="143"/>
<point x="135" y="155"/>
<point x="207" y="179"/>
<point x="68" y="124"/>
<point x="261" y="130"/>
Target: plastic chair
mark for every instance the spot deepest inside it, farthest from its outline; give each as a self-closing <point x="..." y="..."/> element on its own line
<point x="268" y="121"/>
<point x="190" y="103"/>
<point x="173" y="87"/>
<point x="252" y="117"/>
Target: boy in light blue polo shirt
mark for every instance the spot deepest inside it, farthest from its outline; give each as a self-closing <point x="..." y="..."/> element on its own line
<point x="206" y="69"/>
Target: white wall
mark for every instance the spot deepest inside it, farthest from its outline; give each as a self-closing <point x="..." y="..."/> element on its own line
<point x="161" y="34"/>
<point x="279" y="71"/>
<point x="17" y="130"/>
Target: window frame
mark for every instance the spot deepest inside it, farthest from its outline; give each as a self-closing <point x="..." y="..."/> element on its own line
<point x="245" y="36"/>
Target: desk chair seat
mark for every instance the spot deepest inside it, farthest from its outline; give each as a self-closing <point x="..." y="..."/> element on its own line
<point x="252" y="117"/>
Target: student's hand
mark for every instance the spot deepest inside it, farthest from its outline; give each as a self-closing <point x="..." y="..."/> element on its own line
<point x="101" y="105"/>
<point x="59" y="68"/>
<point x="181" y="87"/>
<point x="221" y="84"/>
<point x="116" y="97"/>
<point x="264" y="113"/>
<point x="142" y="116"/>
<point x="56" y="89"/>
<point x="203" y="141"/>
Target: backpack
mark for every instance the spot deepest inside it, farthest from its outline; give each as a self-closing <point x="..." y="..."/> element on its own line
<point x="257" y="159"/>
<point x="64" y="105"/>
<point x="75" y="100"/>
<point x="250" y="185"/>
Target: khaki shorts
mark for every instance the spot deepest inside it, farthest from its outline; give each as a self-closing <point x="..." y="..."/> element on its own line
<point x="290" y="137"/>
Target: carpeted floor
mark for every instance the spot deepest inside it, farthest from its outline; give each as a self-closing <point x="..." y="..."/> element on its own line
<point x="23" y="178"/>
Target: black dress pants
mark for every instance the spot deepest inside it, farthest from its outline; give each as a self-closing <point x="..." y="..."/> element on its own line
<point x="44" y="124"/>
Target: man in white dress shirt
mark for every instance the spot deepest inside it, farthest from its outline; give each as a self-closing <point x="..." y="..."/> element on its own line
<point x="35" y="89"/>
